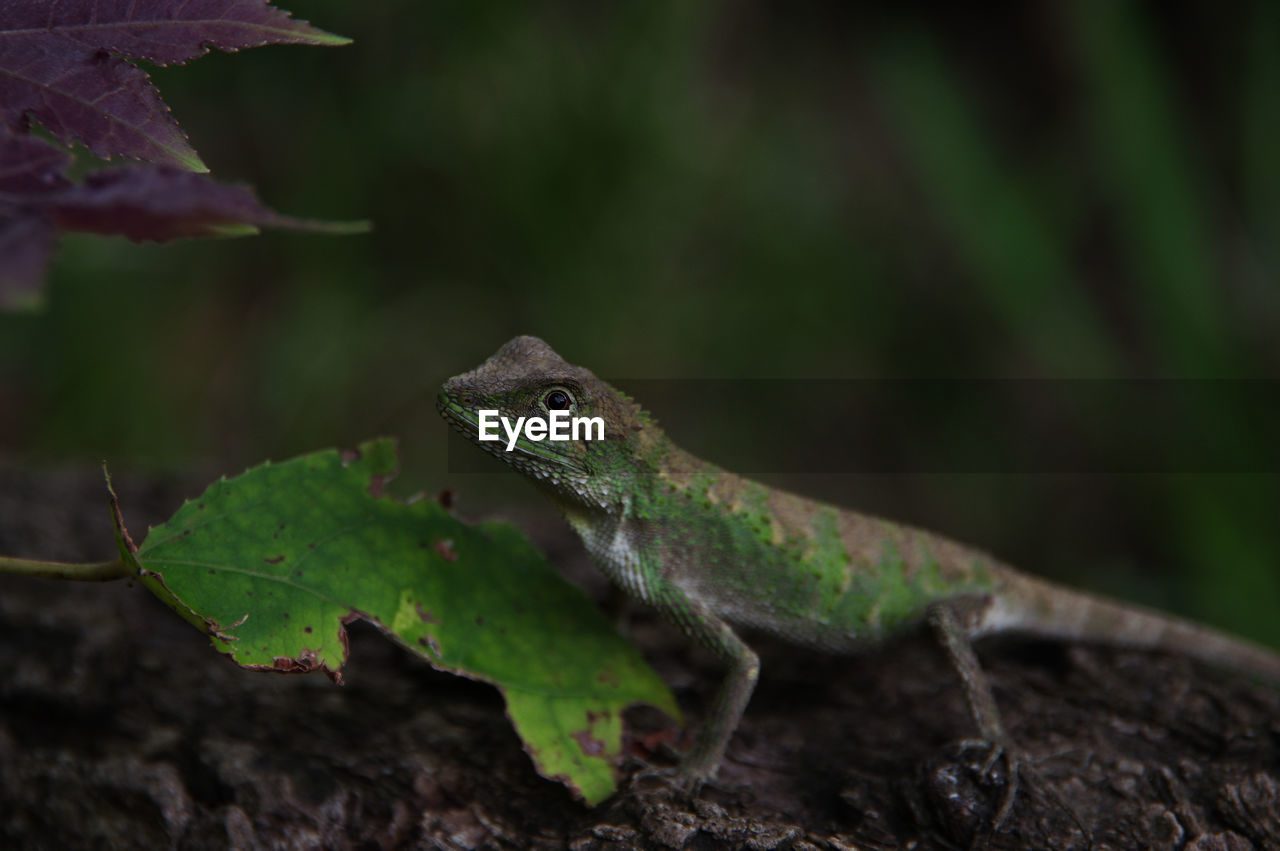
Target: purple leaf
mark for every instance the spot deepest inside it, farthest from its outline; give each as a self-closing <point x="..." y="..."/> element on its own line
<point x="68" y="64"/>
<point x="28" y="165"/>
<point x="157" y="203"/>
<point x="166" y="32"/>
<point x="26" y="243"/>
<point x="29" y="168"/>
<point x="63" y="63"/>
<point x="140" y="202"/>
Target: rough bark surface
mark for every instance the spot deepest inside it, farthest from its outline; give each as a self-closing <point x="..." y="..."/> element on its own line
<point x="121" y="727"/>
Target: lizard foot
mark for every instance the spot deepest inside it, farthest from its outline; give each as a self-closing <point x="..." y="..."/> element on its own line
<point x="957" y="801"/>
<point x="669" y="783"/>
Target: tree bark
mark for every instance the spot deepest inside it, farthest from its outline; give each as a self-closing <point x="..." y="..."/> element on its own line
<point x="122" y="727"/>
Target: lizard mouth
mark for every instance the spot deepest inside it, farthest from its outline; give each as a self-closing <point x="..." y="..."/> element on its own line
<point x="541" y="459"/>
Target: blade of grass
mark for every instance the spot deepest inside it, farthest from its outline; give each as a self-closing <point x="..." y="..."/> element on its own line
<point x="1015" y="258"/>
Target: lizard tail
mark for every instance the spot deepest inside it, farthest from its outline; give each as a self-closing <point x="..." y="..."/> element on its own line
<point x="1056" y="611"/>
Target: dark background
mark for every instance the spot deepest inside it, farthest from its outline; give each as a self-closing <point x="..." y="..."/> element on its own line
<point x="746" y="190"/>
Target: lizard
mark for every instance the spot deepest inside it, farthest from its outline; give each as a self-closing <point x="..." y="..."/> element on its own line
<point x="714" y="552"/>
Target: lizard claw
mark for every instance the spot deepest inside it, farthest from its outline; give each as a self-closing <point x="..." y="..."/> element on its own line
<point x="972" y="788"/>
<point x="668" y="783"/>
<point x="997" y="752"/>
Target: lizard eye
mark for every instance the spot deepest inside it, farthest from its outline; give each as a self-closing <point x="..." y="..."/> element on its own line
<point x="557" y="400"/>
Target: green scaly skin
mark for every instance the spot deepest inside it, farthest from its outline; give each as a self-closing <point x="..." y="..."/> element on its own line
<point x="711" y="550"/>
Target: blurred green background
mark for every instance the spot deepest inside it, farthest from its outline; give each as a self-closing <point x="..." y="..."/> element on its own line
<point x="673" y="189"/>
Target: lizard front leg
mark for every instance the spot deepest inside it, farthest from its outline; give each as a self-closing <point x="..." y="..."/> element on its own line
<point x="742" y="668"/>
<point x="642" y="575"/>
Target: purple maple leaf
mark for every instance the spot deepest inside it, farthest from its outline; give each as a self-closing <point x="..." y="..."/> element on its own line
<point x="28" y="165"/>
<point x="158" y="203"/>
<point x="26" y="243"/>
<point x="141" y="202"/>
<point x="66" y="64"/>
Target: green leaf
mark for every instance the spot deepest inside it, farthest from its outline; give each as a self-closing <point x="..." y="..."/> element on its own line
<point x="273" y="563"/>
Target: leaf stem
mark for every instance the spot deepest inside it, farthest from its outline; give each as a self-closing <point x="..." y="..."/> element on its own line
<point x="99" y="572"/>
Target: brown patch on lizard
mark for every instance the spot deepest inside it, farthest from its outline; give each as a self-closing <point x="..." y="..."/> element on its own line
<point x="792" y="517"/>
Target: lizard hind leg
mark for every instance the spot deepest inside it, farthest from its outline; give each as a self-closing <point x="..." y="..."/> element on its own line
<point x="954" y="638"/>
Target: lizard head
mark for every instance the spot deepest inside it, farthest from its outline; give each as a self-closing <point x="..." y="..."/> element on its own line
<point x="527" y="379"/>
